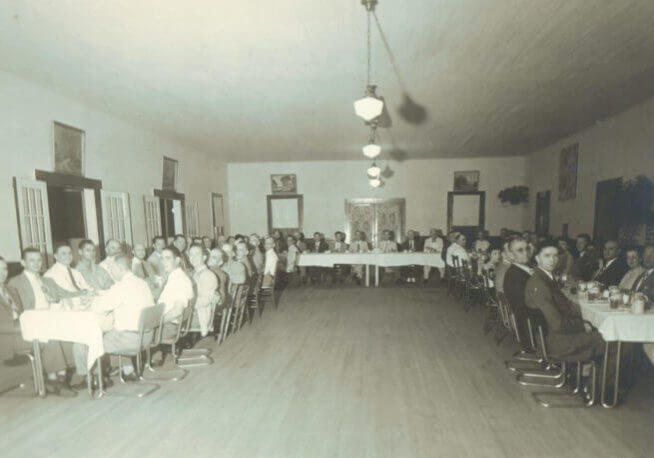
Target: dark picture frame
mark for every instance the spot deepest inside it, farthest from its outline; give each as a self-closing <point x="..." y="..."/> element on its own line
<point x="283" y="183"/>
<point x="299" y="199"/>
<point x="466" y="181"/>
<point x="169" y="174"/>
<point x="68" y="149"/>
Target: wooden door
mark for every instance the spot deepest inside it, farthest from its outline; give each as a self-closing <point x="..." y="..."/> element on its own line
<point x="34" y="216"/>
<point x="542" y="226"/>
<point x="606" y="210"/>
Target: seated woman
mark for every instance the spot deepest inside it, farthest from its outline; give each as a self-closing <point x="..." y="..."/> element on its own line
<point x="635" y="269"/>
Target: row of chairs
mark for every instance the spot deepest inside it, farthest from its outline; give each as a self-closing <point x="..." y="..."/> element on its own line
<point x="532" y="365"/>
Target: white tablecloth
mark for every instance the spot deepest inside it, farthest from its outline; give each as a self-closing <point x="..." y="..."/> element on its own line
<point x="377" y="259"/>
<point x="617" y="324"/>
<point x="65" y="326"/>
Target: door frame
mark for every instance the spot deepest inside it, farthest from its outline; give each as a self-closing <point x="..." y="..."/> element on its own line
<point x="163" y="194"/>
<point x="372" y="201"/>
<point x="482" y="208"/>
<point x="68" y="181"/>
<point x="619" y="180"/>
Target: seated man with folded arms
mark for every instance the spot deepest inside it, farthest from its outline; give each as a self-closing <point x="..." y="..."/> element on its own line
<point x="158" y="244"/>
<point x="206" y="287"/>
<point x="633" y="259"/>
<point x="358" y="245"/>
<point x="94" y="275"/>
<point x="121" y="306"/>
<point x="111" y="248"/>
<point x="30" y="291"/>
<point x="434" y="244"/>
<point x="270" y="266"/>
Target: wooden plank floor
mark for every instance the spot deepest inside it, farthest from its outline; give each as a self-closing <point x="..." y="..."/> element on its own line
<point x="337" y="372"/>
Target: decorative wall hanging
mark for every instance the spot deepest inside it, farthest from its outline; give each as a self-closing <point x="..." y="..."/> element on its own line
<point x="68" y="149"/>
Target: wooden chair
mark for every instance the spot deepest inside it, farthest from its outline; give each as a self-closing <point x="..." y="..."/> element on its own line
<point x="195" y="357"/>
<point x="472" y="289"/>
<point x="171" y="375"/>
<point x="233" y="315"/>
<point x="150" y="325"/>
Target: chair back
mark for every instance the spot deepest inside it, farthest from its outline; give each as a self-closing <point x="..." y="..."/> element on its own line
<point x="186" y="320"/>
<point x="240" y="295"/>
<point x="150" y="321"/>
<point x="504" y="309"/>
<point x="537" y="327"/>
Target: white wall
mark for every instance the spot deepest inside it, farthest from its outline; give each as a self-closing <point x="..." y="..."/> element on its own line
<point x="124" y="156"/>
<point x="620" y="146"/>
<point x="326" y="185"/>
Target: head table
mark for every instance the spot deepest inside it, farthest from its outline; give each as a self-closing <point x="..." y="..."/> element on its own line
<point x="372" y="259"/>
<point x="616" y="326"/>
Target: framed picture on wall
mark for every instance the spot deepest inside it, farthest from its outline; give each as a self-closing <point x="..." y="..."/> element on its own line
<point x="568" y="168"/>
<point x="283" y="184"/>
<point x="466" y="181"/>
<point x="169" y="174"/>
<point x="68" y="149"/>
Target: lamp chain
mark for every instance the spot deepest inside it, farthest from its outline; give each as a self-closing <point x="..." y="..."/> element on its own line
<point x="369" y="57"/>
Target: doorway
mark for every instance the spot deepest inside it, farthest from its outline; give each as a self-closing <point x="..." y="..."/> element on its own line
<point x="373" y="216"/>
<point x="606" y="210"/>
<point x="172" y="211"/>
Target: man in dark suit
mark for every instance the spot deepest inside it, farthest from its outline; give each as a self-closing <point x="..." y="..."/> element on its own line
<point x="645" y="283"/>
<point x="515" y="281"/>
<point x="317" y="245"/>
<point x="31" y="291"/>
<point x="567" y="337"/>
<point x="586" y="264"/>
<point x="412" y="244"/>
<point x="612" y="266"/>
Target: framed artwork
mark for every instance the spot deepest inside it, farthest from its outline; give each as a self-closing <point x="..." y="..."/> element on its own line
<point x="68" y="149"/>
<point x="283" y="184"/>
<point x="466" y="181"/>
<point x="169" y="174"/>
<point x="568" y="168"/>
<point x="285" y="213"/>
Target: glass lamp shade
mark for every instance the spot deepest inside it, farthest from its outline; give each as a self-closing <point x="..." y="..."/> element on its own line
<point x="368" y="108"/>
<point x="371" y="150"/>
<point x="375" y="182"/>
<point x="374" y="171"/>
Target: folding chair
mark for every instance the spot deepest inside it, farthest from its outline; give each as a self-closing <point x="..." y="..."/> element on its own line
<point x="150" y="322"/>
<point x="472" y="287"/>
<point x="267" y="292"/>
<point x="551" y="373"/>
<point x="23" y="386"/>
<point x="195" y="357"/>
<point x="176" y="374"/>
<point x="492" y="319"/>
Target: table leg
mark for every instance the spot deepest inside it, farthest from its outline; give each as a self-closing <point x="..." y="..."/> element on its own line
<point x="367" y="275"/>
<point x="616" y="382"/>
<point x="39" y="382"/>
<point x="376" y="275"/>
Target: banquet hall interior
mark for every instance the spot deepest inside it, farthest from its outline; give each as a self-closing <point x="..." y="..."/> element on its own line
<point x="349" y="228"/>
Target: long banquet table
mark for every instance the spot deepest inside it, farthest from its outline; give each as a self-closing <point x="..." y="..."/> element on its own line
<point x="41" y="326"/>
<point x="616" y="326"/>
<point x="371" y="259"/>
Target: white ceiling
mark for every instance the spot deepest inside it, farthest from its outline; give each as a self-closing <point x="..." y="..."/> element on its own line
<point x="264" y="80"/>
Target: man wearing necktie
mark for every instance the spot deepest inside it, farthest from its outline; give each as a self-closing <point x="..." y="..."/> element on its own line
<point x="70" y="280"/>
<point x="612" y="266"/>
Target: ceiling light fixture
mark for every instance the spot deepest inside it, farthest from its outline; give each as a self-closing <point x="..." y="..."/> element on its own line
<point x="372" y="149"/>
<point x="375" y="182"/>
<point x="374" y="171"/>
<point x="370" y="106"/>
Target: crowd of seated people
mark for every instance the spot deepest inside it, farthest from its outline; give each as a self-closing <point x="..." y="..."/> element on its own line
<point x="529" y="271"/>
<point x="204" y="272"/>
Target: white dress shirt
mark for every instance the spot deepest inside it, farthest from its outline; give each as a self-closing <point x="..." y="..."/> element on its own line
<point x="359" y="246"/>
<point x="176" y="294"/>
<point x="630" y="278"/>
<point x="125" y="299"/>
<point x="206" y="284"/>
<point x="270" y="267"/>
<point x="63" y="276"/>
<point x="109" y="264"/>
<point x="456" y="250"/>
<point x="40" y="300"/>
<point x="433" y="246"/>
<point x="388" y="246"/>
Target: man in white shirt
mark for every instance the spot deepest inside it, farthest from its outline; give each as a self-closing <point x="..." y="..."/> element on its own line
<point x="358" y="245"/>
<point x="387" y="245"/>
<point x="457" y="249"/>
<point x="177" y="291"/>
<point x="121" y="305"/>
<point x="270" y="266"/>
<point x="70" y="280"/>
<point x="206" y="286"/>
<point x="434" y="244"/>
<point x="112" y="248"/>
<point x="158" y="244"/>
<point x="96" y="277"/>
